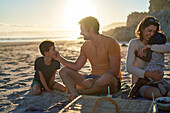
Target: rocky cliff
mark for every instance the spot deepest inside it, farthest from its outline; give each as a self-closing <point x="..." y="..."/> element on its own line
<point x="158" y="8"/>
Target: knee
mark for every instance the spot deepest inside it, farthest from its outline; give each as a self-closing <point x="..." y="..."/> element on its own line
<point x="157" y="94"/>
<point x="148" y="92"/>
<point x="63" y="71"/>
<point x="36" y="92"/>
<point x="111" y="81"/>
<point x="108" y="79"/>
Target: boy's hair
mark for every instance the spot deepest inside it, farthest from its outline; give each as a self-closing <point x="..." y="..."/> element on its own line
<point x="45" y="46"/>
<point x="158" y="38"/>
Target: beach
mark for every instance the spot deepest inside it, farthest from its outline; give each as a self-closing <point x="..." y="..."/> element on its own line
<point x="17" y="72"/>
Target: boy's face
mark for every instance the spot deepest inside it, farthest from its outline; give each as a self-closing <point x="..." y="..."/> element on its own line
<point x="52" y="52"/>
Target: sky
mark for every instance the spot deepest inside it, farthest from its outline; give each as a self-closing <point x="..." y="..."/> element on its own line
<point x="65" y="14"/>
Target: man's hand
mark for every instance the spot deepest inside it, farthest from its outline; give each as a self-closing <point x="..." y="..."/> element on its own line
<point x="57" y="56"/>
<point x="88" y="82"/>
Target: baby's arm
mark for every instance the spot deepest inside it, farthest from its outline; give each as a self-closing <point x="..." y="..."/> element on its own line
<point x="148" y="55"/>
<point x="42" y="79"/>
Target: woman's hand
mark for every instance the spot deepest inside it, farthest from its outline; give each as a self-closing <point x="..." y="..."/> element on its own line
<point x="155" y="75"/>
<point x="143" y="49"/>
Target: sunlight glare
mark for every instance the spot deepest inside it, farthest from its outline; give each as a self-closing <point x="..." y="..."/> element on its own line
<point x="76" y="10"/>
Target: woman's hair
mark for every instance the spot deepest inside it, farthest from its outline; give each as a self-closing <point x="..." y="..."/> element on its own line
<point x="90" y="22"/>
<point x="147" y="21"/>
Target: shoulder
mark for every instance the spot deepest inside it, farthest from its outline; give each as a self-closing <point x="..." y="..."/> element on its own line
<point x="134" y="42"/>
<point x="109" y="41"/>
<point x="107" y="38"/>
<point x="39" y="59"/>
<point x="56" y="62"/>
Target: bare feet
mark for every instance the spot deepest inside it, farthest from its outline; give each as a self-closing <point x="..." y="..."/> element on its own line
<point x="71" y="97"/>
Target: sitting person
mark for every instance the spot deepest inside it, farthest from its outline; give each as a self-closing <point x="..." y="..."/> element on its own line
<point x="46" y="68"/>
<point x="156" y="63"/>
<point x="144" y="31"/>
<point x="104" y="55"/>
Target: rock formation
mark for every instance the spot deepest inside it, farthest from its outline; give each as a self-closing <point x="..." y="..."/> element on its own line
<point x="158" y="8"/>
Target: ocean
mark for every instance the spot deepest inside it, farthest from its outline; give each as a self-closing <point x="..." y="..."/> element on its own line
<point x="30" y="36"/>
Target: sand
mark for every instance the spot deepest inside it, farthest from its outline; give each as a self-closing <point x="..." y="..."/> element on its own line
<point x="17" y="71"/>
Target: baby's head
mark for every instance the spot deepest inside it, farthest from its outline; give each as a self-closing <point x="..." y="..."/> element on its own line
<point x="45" y="46"/>
<point x="158" y="38"/>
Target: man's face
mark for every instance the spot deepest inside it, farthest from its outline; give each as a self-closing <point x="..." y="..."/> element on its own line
<point x="86" y="33"/>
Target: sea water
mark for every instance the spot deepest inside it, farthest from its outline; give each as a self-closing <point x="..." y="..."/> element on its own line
<point x="39" y="36"/>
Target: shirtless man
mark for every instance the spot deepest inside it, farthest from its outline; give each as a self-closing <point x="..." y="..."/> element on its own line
<point x="103" y="52"/>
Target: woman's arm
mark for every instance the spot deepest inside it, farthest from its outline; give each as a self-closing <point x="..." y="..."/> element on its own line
<point x="130" y="62"/>
<point x="163" y="48"/>
<point x="131" y="68"/>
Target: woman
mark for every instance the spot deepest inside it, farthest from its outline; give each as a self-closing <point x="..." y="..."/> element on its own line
<point x="145" y="30"/>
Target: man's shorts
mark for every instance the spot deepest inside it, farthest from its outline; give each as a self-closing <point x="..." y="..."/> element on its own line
<point x="35" y="82"/>
<point x="91" y="76"/>
<point x="95" y="76"/>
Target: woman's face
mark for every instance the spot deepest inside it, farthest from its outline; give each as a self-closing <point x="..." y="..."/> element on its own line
<point x="148" y="32"/>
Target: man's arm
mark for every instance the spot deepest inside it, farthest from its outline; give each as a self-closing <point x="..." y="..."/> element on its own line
<point x="42" y="79"/>
<point x="115" y="65"/>
<point x="81" y="60"/>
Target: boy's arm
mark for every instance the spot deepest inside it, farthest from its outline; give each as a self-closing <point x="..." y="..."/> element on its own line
<point x="148" y="55"/>
<point x="52" y="79"/>
<point x="42" y="79"/>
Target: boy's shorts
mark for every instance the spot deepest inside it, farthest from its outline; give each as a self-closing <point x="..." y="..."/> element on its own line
<point x="95" y="76"/>
<point x="35" y="82"/>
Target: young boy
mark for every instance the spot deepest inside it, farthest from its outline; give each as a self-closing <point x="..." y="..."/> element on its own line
<point x="46" y="68"/>
<point x="156" y="63"/>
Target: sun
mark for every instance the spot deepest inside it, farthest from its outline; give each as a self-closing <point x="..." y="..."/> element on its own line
<point x="75" y="10"/>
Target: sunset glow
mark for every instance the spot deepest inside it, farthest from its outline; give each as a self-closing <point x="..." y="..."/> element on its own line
<point x="75" y="10"/>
